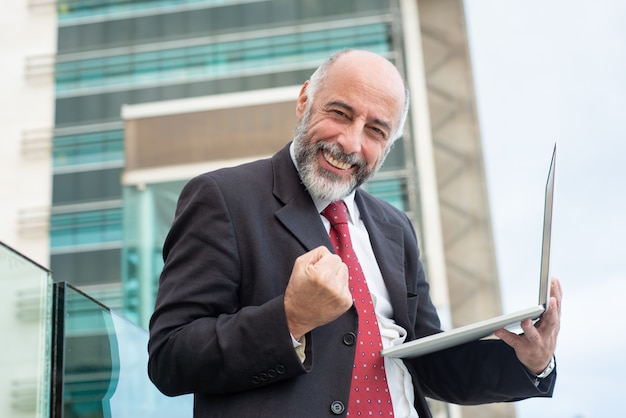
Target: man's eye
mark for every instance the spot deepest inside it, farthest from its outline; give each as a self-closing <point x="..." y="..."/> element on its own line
<point x="378" y="131"/>
<point x="340" y="113"/>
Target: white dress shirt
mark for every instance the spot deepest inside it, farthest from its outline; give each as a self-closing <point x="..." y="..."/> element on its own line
<point x="398" y="376"/>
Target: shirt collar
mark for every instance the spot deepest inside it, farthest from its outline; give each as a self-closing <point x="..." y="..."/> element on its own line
<point x="320" y="205"/>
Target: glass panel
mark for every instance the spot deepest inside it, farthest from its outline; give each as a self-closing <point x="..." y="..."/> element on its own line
<point x="83" y="228"/>
<point x="88" y="148"/>
<point x="392" y="190"/>
<point x="98" y="266"/>
<point x="229" y="58"/>
<point x="69" y="10"/>
<point x="396" y="160"/>
<point x="105" y="364"/>
<point x="25" y="376"/>
<point x="86" y="186"/>
<point x="148" y="214"/>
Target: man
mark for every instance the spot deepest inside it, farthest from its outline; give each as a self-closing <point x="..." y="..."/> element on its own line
<point x="254" y="313"/>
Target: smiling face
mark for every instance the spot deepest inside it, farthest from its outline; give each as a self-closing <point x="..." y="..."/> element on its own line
<point x="347" y="126"/>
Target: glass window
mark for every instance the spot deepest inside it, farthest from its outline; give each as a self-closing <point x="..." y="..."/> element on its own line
<point x="391" y="190"/>
<point x="87" y="267"/>
<point x="124" y="22"/>
<point x="254" y="13"/>
<point x="396" y="160"/>
<point x="85" y="186"/>
<point x="76" y="229"/>
<point x="143" y="66"/>
<point x="148" y="214"/>
<point x="69" y="10"/>
<point x="233" y="58"/>
<point x="88" y="148"/>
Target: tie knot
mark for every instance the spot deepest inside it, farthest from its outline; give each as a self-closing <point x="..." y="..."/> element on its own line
<point x="336" y="213"/>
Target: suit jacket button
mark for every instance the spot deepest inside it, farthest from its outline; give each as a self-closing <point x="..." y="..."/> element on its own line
<point x="280" y="369"/>
<point x="349" y="338"/>
<point x="337" y="407"/>
<point x="255" y="380"/>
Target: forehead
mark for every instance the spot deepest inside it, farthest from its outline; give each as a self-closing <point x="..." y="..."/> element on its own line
<point x="372" y="88"/>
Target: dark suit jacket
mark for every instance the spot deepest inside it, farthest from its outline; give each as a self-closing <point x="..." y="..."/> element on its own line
<point x="219" y="328"/>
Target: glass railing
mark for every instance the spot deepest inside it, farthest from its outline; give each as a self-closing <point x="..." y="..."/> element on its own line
<point x="25" y="327"/>
<point x="103" y="362"/>
<point x="70" y="356"/>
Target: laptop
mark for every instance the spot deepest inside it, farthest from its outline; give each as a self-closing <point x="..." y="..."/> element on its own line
<point x="485" y="328"/>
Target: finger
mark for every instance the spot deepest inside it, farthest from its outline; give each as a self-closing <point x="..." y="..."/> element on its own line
<point x="329" y="271"/>
<point x="556" y="291"/>
<point x="318" y="253"/>
<point x="509" y="337"/>
<point x="552" y="316"/>
<point x="556" y="285"/>
<point x="531" y="332"/>
<point x="330" y="262"/>
<point x="338" y="268"/>
<point x="550" y="322"/>
<point x="308" y="260"/>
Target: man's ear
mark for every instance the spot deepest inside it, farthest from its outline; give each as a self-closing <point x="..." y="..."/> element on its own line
<point x="302" y="100"/>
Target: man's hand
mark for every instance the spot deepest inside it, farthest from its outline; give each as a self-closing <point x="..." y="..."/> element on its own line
<point x="317" y="292"/>
<point x="535" y="347"/>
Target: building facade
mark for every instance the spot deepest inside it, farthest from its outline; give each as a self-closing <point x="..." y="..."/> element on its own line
<point x="26" y="118"/>
<point x="112" y="54"/>
<point x="150" y="93"/>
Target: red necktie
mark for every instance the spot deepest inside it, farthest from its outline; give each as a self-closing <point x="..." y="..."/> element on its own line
<point x="369" y="393"/>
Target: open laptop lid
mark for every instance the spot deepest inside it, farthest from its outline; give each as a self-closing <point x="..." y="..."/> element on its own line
<point x="544" y="289"/>
<point x="484" y="328"/>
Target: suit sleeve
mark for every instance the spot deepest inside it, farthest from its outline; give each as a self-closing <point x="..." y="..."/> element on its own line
<point x="479" y="372"/>
<point x="202" y="340"/>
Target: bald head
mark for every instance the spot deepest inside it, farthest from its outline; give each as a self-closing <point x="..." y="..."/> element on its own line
<point x="367" y="70"/>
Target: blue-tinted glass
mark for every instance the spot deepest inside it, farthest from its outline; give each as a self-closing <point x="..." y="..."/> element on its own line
<point x="148" y="214"/>
<point x="117" y="69"/>
<point x="69" y="10"/>
<point x="105" y="362"/>
<point x="88" y="148"/>
<point x="26" y="332"/>
<point x="82" y="228"/>
<point x="390" y="190"/>
<point x="208" y="61"/>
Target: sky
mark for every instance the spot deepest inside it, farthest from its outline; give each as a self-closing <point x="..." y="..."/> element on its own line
<point x="549" y="71"/>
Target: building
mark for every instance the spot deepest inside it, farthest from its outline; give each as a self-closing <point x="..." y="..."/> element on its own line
<point x="150" y="93"/>
<point x="26" y="116"/>
<point x="27" y="39"/>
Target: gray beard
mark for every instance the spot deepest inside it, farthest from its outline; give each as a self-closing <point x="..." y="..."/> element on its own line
<point x="321" y="183"/>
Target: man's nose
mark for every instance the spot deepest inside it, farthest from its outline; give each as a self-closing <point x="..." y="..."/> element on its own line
<point x="352" y="139"/>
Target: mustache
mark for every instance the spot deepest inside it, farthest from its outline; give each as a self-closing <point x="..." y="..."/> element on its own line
<point x="337" y="152"/>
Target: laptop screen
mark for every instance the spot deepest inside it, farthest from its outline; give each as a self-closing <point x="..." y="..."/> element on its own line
<point x="544" y="289"/>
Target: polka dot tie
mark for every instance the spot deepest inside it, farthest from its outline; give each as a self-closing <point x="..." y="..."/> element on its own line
<point x="369" y="393"/>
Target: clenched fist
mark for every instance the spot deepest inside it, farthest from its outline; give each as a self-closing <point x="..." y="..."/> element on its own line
<point x="317" y="292"/>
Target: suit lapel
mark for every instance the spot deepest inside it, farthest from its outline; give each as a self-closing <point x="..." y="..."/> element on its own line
<point x="298" y="214"/>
